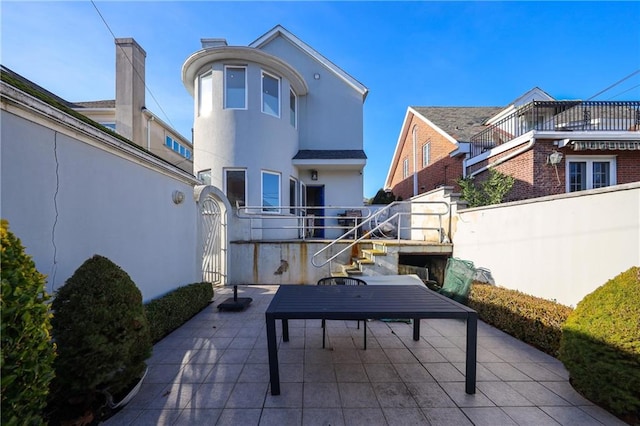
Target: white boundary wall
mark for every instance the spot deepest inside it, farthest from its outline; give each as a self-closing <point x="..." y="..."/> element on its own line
<point x="559" y="247"/>
<point x="70" y="191"/>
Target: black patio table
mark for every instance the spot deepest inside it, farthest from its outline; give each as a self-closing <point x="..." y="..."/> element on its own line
<point x="340" y="302"/>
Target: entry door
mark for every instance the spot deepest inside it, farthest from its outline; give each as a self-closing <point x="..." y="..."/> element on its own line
<point x="315" y="204"/>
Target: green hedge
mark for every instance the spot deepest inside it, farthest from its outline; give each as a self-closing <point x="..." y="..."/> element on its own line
<point x="170" y="311"/>
<point x="533" y="320"/>
<point x="601" y="345"/>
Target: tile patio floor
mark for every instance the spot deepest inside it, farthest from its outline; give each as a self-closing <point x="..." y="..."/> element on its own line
<point x="214" y="371"/>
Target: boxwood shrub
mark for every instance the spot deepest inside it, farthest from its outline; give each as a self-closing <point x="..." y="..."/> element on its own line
<point x="533" y="320"/>
<point x="170" y="311"/>
<point x="27" y="350"/>
<point x="601" y="345"/>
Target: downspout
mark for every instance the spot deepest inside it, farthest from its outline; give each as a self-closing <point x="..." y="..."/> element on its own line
<point x="149" y="120"/>
<point x="505" y="158"/>
<point x="415" y="170"/>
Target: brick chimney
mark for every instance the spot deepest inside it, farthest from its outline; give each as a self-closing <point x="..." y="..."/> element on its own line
<point x="130" y="89"/>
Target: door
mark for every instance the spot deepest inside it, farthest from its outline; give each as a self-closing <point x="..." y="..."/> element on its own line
<point x="315" y="204"/>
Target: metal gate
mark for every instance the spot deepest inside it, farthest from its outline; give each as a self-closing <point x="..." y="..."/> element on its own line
<point x="212" y="253"/>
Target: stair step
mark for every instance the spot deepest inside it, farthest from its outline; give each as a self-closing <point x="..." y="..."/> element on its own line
<point x="374" y="252"/>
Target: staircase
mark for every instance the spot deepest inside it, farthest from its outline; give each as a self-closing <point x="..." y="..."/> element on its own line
<point x="381" y="257"/>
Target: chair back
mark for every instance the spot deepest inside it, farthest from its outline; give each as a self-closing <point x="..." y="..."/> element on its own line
<point x="341" y="281"/>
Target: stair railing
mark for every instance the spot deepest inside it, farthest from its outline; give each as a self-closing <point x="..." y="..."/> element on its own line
<point x="358" y="228"/>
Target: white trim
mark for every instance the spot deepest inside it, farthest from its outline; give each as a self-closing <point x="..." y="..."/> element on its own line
<point x="246" y="90"/>
<point x="264" y="73"/>
<point x="590" y="159"/>
<point x="208" y="74"/>
<point x="279" y="176"/>
<point x="246" y="183"/>
<point x="280" y="30"/>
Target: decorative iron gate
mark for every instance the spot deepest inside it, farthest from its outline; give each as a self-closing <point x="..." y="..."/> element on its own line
<point x="212" y="255"/>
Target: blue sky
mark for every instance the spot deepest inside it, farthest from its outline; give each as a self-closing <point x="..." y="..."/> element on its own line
<point x="418" y="53"/>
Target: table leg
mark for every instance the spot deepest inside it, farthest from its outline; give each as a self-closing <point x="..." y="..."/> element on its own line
<point x="285" y="330"/>
<point x="472" y="347"/>
<point x="272" y="348"/>
<point x="416" y="329"/>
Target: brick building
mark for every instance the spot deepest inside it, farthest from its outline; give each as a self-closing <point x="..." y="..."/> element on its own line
<point x="548" y="146"/>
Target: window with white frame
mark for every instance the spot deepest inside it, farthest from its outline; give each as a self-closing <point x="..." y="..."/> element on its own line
<point x="405" y="168"/>
<point x="235" y="87"/>
<point x="426" y="154"/>
<point x="205" y="94"/>
<point x="270" y="94"/>
<point x="589" y="172"/>
<point x="293" y="108"/>
<point x="205" y="176"/>
<point x="293" y="195"/>
<point x="270" y="192"/>
<point x="235" y="186"/>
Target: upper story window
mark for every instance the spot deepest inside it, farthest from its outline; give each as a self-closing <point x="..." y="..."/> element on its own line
<point x="426" y="154"/>
<point x="293" y="195"/>
<point x="205" y="94"/>
<point x="293" y="108"/>
<point x="235" y="185"/>
<point x="235" y="87"/>
<point x="405" y="168"/>
<point x="270" y="192"/>
<point x="270" y="94"/>
<point x="176" y="146"/>
<point x="590" y="172"/>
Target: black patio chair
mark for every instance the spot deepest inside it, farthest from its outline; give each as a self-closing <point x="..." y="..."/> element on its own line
<point x="342" y="281"/>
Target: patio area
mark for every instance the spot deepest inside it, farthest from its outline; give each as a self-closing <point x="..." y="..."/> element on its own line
<point x="214" y="370"/>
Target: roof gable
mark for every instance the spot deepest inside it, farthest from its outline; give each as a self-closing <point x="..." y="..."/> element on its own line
<point x="280" y="31"/>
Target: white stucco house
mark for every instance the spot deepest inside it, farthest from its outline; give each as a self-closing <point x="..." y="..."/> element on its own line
<point x="278" y="127"/>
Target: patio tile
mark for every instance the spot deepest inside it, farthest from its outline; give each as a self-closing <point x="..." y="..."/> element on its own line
<point x="453" y="354"/>
<point x="346" y="356"/>
<point x="439" y="342"/>
<point x="482" y="373"/>
<point x="404" y="416"/>
<point x="538" y="394"/>
<point x="357" y="395"/>
<point x="211" y="395"/>
<point x="171" y="356"/>
<point x="462" y="399"/>
<point x="602" y="415"/>
<point x="399" y="355"/>
<point x="351" y="373"/>
<point x="444" y="372"/>
<point x="446" y="417"/>
<point x="247" y="395"/>
<point x="391" y="342"/>
<point x="529" y="416"/>
<point x="381" y="373"/>
<point x="318" y="356"/>
<point x="537" y="372"/>
<point x="292" y="373"/>
<point x="319" y="373"/>
<point x="287" y="356"/>
<point x="571" y="416"/>
<point x="503" y="395"/>
<point x="162" y="373"/>
<point x="157" y="417"/>
<point x="194" y="373"/>
<point x="428" y="355"/>
<point x="290" y="397"/>
<point x="413" y="372"/>
<point x="488" y="416"/>
<point x="234" y="356"/>
<point x="242" y="343"/>
<point x="322" y="417"/>
<point x="198" y="417"/>
<point x="506" y="371"/>
<point x="259" y="355"/>
<point x="224" y="373"/>
<point x="373" y="356"/>
<point x="254" y="373"/>
<point x="235" y="417"/>
<point x="567" y="391"/>
<point x="173" y="397"/>
<point x="394" y="394"/>
<point x="364" y="417"/>
<point x="430" y="395"/>
<point x="148" y="392"/>
<point x="281" y="417"/>
<point x="321" y="395"/>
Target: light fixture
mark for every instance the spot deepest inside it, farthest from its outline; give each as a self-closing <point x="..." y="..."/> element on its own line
<point x="177" y="196"/>
<point x="316" y="76"/>
<point x="554" y="158"/>
<point x="314" y="175"/>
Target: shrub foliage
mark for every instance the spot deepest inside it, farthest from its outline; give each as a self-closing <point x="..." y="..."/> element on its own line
<point x="101" y="331"/>
<point x="533" y="320"/>
<point x="491" y="191"/>
<point x="170" y="311"/>
<point x="27" y="350"/>
<point x="601" y="345"/>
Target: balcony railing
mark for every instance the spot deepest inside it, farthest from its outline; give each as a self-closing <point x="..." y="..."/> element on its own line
<point x="592" y="116"/>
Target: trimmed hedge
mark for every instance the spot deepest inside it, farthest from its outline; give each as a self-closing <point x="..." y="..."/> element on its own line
<point x="533" y="320"/>
<point x="601" y="345"/>
<point x="170" y="311"/>
<point x="27" y="350"/>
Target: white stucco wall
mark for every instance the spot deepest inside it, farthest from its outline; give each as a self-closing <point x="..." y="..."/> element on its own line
<point x="560" y="247"/>
<point x="68" y="194"/>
